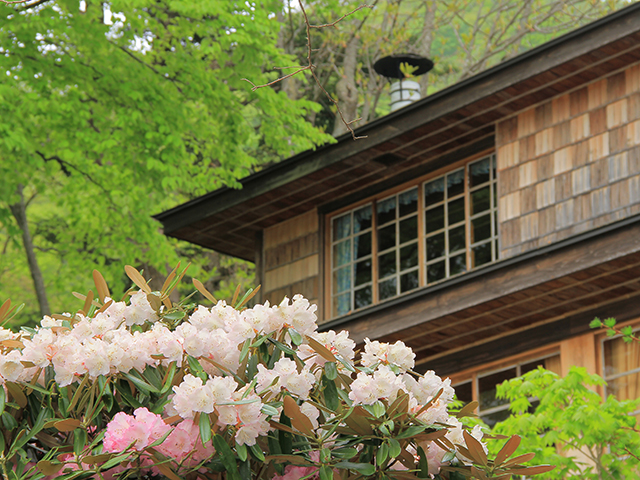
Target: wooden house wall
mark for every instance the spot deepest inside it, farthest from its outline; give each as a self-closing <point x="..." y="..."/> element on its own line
<point x="291" y="259"/>
<point x="570" y="164"/>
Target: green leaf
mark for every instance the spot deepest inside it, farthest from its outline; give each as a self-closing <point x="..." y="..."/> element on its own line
<point x="79" y="440"/>
<point x="383" y="454"/>
<point x="196" y="368"/>
<point x="331" y="370"/>
<point x="257" y="452"/>
<point x="331" y="399"/>
<point x="142" y="385"/>
<point x="241" y="450"/>
<point x="326" y="473"/>
<point x="227" y="457"/>
<point x="394" y="447"/>
<point x="296" y="338"/>
<point x="3" y="398"/>
<point x="423" y="466"/>
<point x="365" y="469"/>
<point x="411" y="431"/>
<point x="269" y="410"/>
<point x="285" y="438"/>
<point x="205" y="428"/>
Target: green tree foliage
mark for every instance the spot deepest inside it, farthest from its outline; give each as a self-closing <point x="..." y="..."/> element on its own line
<point x="104" y="123"/>
<point x="572" y="427"/>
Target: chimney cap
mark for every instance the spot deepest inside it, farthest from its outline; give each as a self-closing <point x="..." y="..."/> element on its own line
<point x="390" y="66"/>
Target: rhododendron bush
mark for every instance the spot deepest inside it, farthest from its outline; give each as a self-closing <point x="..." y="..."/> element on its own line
<point x="147" y="387"/>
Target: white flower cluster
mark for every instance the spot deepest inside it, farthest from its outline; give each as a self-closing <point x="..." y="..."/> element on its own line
<point x="104" y="345"/>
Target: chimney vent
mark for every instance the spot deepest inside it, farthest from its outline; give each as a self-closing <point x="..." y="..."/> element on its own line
<point x="403" y="91"/>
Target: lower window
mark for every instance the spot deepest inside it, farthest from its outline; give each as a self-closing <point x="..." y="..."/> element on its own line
<point x="621" y="368"/>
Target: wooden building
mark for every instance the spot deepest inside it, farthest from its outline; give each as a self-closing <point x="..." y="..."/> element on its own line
<point x="485" y="225"/>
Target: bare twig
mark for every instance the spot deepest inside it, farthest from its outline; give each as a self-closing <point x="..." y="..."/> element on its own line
<point x="311" y="67"/>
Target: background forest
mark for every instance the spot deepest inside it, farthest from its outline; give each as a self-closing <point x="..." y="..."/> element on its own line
<point x="111" y="113"/>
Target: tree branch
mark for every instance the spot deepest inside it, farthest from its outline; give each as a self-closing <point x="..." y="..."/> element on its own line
<point x="311" y="67"/>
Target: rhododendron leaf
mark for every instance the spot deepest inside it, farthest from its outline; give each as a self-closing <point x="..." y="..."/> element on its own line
<point x="114" y="461"/>
<point x="99" y="458"/>
<point x="296" y="338"/>
<point x="36" y="387"/>
<point x="101" y="285"/>
<point x="475" y="448"/>
<point x="330" y="392"/>
<point x="247" y="296"/>
<point x="126" y="394"/>
<point x="200" y="287"/>
<point x="12" y="344"/>
<point x="273" y="442"/>
<point x="3" y="399"/>
<point x="394" y="448"/>
<point x="467" y="410"/>
<point x="166" y="471"/>
<point x="137" y="278"/>
<point x="477" y="473"/>
<point x="16" y="394"/>
<point x="423" y="466"/>
<point x="285" y="437"/>
<point x="79" y="440"/>
<point x="205" y="429"/>
<point x="282" y="347"/>
<point x="382" y="454"/>
<point x="227" y="456"/>
<point x="168" y="378"/>
<point x="519" y="459"/>
<point x="49" y="468"/>
<point x="507" y="450"/>
<point x="155" y="301"/>
<point x="257" y="452"/>
<point x="331" y="370"/>
<point x="412" y="431"/>
<point x="245" y="349"/>
<point x="142" y="385"/>
<point x="534" y="470"/>
<point x="174" y="316"/>
<point x="298" y="419"/>
<point x="152" y="376"/>
<point x="241" y="450"/>
<point x="268" y="410"/>
<point x="365" y="469"/>
<point x="320" y="349"/>
<point x="292" y="459"/>
<point x="326" y="473"/>
<point x="345" y="453"/>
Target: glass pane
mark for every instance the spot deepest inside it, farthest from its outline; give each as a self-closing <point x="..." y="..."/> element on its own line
<point x="495" y="417"/>
<point x="434" y="192"/>
<point x="435" y="272"/>
<point x="481" y="255"/>
<point x="625" y="387"/>
<point x="620" y="357"/>
<point x="480" y="200"/>
<point x="341" y="253"/>
<point x="408" y="229"/>
<point x="363" y="272"/>
<point x="387" y="237"/>
<point x="409" y="256"/>
<point x="493" y="166"/>
<point x="481" y="228"/>
<point x="457" y="239"/>
<point x="456" y="211"/>
<point x="408" y="281"/>
<point x="386" y="210"/>
<point x="362" y="219"/>
<point x="342" y="304"/>
<point x="387" y="264"/>
<point x="362" y="245"/>
<point x="435" y="219"/>
<point x="363" y="297"/>
<point x="341" y="227"/>
<point x="487" y="388"/>
<point x="480" y="172"/>
<point x="495" y="196"/>
<point x="455" y="183"/>
<point x="464" y="392"/>
<point x="435" y="246"/>
<point x="387" y="289"/>
<point x="527" y="367"/>
<point x="457" y="264"/>
<point x="408" y="202"/>
<point x="342" y="279"/>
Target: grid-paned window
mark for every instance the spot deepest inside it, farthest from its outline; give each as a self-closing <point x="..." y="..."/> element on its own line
<point x="483" y="387"/>
<point x="430" y="231"/>
<point x="352" y="275"/>
<point x="397" y="230"/>
<point x="621" y="368"/>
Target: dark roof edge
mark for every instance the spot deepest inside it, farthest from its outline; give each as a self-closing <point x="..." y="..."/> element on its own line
<point x="480" y="272"/>
<point x="214" y="197"/>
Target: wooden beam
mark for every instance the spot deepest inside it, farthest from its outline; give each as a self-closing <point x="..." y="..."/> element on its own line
<point x="623" y="310"/>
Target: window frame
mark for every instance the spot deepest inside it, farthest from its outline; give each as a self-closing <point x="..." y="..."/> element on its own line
<point x="602" y="360"/>
<point x="421" y="268"/>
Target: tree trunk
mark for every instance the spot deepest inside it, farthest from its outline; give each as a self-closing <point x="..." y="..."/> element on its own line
<point x="19" y="211"/>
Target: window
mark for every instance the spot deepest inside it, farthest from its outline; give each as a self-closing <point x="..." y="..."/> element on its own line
<point x="482" y="387"/>
<point x="621" y="368"/>
<point x="421" y="235"/>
